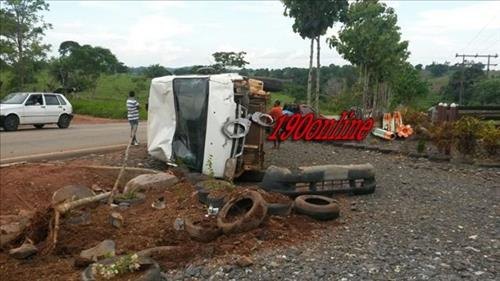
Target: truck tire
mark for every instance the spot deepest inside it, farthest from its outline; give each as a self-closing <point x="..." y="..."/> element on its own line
<point x="199" y="232"/>
<point x="11" y="122"/>
<point x="249" y="208"/>
<point x="317" y="206"/>
<point x="64" y="121"/>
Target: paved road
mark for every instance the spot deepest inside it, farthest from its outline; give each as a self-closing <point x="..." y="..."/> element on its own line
<point x="30" y="141"/>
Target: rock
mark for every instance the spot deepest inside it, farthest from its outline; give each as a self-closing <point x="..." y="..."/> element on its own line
<point x="105" y="249"/>
<point x="244" y="261"/>
<point x="71" y="193"/>
<point x="124" y="205"/>
<point x="193" y="271"/>
<point x="179" y="224"/>
<point x="24" y="251"/>
<point x="147" y="182"/>
<point x="274" y="264"/>
<point x="11" y="226"/>
<point x="116" y="219"/>
<point x="159" y="203"/>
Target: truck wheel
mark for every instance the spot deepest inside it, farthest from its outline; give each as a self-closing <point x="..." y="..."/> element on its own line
<point x="64" y="121"/>
<point x="201" y="229"/>
<point x="244" y="212"/>
<point x="317" y="206"/>
<point x="39" y="126"/>
<point x="11" y="123"/>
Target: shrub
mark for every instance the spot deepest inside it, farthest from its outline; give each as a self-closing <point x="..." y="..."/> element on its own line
<point x="442" y="136"/>
<point x="466" y="132"/>
<point x="490" y="136"/>
<point x="421" y="146"/>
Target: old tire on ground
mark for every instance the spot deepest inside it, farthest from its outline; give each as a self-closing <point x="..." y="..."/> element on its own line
<point x="38" y="126"/>
<point x="279" y="209"/>
<point x="199" y="232"/>
<point x="243" y="212"/>
<point x="152" y="271"/>
<point x="64" y="121"/>
<point x="11" y="122"/>
<point x="317" y="206"/>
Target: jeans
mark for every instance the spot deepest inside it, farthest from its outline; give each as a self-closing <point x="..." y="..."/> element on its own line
<point x="133" y="130"/>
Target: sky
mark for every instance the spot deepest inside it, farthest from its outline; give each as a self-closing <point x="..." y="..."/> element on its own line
<point x="183" y="33"/>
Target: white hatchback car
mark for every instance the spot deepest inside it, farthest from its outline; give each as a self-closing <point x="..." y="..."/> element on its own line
<point x="35" y="109"/>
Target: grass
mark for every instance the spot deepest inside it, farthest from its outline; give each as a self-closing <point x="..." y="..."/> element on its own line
<point x="110" y="96"/>
<point x="283" y="98"/>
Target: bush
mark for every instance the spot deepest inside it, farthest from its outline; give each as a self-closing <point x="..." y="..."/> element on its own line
<point x="415" y="118"/>
<point x="466" y="132"/>
<point x="442" y="136"/>
<point x="490" y="136"/>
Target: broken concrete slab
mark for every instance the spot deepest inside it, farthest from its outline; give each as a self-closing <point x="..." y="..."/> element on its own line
<point x="105" y="249"/>
<point x="147" y="182"/>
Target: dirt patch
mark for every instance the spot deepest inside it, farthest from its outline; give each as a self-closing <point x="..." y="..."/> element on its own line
<point x="86" y="119"/>
<point x="32" y="185"/>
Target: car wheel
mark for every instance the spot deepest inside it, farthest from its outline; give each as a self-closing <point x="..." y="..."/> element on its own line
<point x="11" y="123"/>
<point x="39" y="126"/>
<point x="64" y="121"/>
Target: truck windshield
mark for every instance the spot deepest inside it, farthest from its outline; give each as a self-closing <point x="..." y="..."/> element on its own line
<point x="191" y="102"/>
<point x="14" y="98"/>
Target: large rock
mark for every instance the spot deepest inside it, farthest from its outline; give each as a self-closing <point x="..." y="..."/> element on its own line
<point x="11" y="226"/>
<point x="148" y="182"/>
<point x="71" y="193"/>
<point x="105" y="249"/>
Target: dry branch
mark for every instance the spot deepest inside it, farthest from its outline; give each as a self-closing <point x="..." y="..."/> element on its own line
<point x="124" y="165"/>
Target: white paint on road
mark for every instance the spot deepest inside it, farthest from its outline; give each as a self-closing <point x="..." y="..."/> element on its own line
<point x="30" y="141"/>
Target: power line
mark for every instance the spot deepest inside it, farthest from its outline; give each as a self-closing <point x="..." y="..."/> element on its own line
<point x="461" y="93"/>
<point x="482" y="29"/>
<point x="490" y="46"/>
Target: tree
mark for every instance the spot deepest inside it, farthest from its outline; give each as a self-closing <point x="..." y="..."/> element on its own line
<point x="371" y="40"/>
<point x="80" y="66"/>
<point x="21" y="34"/>
<point x="156" y="70"/>
<point x="311" y="20"/>
<point x="408" y="86"/>
<point x="486" y="92"/>
<point x="223" y="60"/>
<point x="471" y="76"/>
<point x="438" y="69"/>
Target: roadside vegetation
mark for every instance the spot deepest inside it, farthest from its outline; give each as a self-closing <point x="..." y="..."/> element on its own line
<point x="378" y="79"/>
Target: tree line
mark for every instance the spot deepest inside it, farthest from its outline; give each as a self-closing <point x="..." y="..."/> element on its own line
<point x="378" y="79"/>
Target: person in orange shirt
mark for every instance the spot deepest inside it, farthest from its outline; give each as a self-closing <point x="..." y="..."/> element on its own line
<point x="276" y="112"/>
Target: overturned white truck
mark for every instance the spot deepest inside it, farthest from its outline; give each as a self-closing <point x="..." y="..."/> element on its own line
<point x="204" y="122"/>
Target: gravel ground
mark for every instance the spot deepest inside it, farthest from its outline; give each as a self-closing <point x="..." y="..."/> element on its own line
<point x="425" y="221"/>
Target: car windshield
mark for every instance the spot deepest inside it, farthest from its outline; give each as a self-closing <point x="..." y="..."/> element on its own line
<point x="14" y="98"/>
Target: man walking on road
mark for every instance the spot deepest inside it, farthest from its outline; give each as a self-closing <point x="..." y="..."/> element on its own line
<point x="133" y="116"/>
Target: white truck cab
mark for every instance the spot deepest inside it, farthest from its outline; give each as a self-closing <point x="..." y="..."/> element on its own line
<point x="201" y="122"/>
<point x="35" y="109"/>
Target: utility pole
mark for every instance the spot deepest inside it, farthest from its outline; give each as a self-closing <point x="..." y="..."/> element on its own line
<point x="461" y="94"/>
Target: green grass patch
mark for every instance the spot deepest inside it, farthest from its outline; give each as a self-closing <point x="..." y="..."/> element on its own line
<point x="110" y="96"/>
